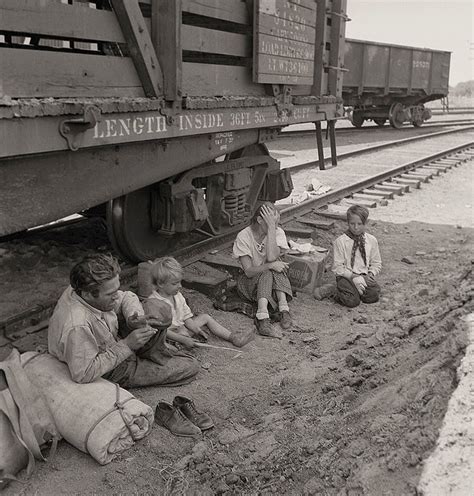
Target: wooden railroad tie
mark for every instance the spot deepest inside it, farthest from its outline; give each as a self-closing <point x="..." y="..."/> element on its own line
<point x="415" y="183"/>
<point x="415" y="175"/>
<point x="377" y="192"/>
<point x="334" y="212"/>
<point x="396" y="189"/>
<point x="442" y="168"/>
<point x="300" y="232"/>
<point x="380" y="200"/>
<point x="433" y="170"/>
<point x="319" y="224"/>
<point x="364" y="203"/>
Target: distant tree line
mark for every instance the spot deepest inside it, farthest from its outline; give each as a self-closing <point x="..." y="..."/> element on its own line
<point x="462" y="89"/>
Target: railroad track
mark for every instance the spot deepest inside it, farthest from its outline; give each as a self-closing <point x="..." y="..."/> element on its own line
<point x="371" y="191"/>
<point x="310" y="132"/>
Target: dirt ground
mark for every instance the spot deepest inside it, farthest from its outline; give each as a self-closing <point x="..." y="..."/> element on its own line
<point x="349" y="403"/>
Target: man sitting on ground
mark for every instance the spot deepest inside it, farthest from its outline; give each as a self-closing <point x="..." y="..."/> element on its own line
<point x="84" y="332"/>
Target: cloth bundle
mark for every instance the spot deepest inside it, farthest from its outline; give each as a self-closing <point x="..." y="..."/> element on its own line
<point x="98" y="418"/>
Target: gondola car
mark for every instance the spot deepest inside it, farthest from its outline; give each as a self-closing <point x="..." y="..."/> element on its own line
<point x="392" y="82"/>
<point x="156" y="112"/>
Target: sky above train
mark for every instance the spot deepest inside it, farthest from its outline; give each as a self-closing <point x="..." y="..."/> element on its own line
<point x="438" y="24"/>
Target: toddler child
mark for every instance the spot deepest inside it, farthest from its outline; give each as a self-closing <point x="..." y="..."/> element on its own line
<point x="356" y="261"/>
<point x="167" y="274"/>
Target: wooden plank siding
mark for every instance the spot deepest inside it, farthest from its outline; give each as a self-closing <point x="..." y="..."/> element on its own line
<point x="218" y="80"/>
<point x="140" y="45"/>
<point x="166" y="35"/>
<point x="61" y="75"/>
<point x="204" y="40"/>
<point x="59" y="20"/>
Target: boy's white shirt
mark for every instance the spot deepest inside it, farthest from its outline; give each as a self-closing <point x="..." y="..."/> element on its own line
<point x="179" y="309"/>
<point x="342" y="257"/>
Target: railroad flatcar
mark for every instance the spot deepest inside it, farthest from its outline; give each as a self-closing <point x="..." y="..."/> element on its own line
<point x="392" y="82"/>
<point x="156" y="113"/>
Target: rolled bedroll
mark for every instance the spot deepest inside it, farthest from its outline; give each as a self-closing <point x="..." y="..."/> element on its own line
<point x="99" y="418"/>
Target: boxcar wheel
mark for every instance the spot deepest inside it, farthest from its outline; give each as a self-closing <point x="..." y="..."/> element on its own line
<point x="380" y="121"/>
<point x="357" y="119"/>
<point x="130" y="227"/>
<point x="130" y="230"/>
<point x="396" y="115"/>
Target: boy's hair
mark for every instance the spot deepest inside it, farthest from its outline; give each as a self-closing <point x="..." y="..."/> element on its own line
<point x="258" y="211"/>
<point x="358" y="210"/>
<point x="93" y="270"/>
<point x="164" y="269"/>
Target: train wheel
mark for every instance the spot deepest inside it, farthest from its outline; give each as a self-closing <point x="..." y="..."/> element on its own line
<point x="130" y="229"/>
<point x="396" y="115"/>
<point x="130" y="226"/>
<point x="418" y="122"/>
<point x="380" y="121"/>
<point x="357" y="119"/>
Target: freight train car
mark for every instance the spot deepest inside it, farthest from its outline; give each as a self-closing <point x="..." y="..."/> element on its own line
<point x="392" y="82"/>
<point x="156" y="112"/>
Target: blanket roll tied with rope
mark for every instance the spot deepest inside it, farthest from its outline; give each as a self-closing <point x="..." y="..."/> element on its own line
<point x="99" y="418"/>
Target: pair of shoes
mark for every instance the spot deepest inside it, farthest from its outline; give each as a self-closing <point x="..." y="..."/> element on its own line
<point x="241" y="338"/>
<point x="182" y="418"/>
<point x="285" y="320"/>
<point x="265" y="328"/>
<point x="324" y="291"/>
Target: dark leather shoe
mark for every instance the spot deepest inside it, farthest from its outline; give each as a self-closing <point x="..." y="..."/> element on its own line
<point x="173" y="419"/>
<point x="265" y="328"/>
<point x="285" y="320"/>
<point x="188" y="409"/>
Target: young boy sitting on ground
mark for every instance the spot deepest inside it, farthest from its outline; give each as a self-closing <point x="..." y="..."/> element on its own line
<point x="167" y="274"/>
<point x="356" y="261"/>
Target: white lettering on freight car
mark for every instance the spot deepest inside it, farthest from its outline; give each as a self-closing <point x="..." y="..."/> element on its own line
<point x="110" y="128"/>
<point x="200" y="121"/>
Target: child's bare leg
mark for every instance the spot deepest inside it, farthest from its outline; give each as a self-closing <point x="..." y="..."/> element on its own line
<point x="282" y="303"/>
<point x="262" y="310"/>
<point x="212" y="324"/>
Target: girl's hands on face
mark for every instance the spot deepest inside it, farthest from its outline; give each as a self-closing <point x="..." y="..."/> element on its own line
<point x="269" y="216"/>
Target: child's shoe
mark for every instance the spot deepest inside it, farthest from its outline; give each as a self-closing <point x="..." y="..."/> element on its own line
<point x="265" y="328"/>
<point x="241" y="338"/>
<point x="187" y="407"/>
<point x="285" y="320"/>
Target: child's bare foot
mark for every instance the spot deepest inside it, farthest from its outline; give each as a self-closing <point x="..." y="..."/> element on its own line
<point x="241" y="338"/>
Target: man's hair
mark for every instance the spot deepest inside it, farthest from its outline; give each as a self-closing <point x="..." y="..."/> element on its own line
<point x="258" y="211"/>
<point x="358" y="210"/>
<point x="92" y="271"/>
<point x="165" y="269"/>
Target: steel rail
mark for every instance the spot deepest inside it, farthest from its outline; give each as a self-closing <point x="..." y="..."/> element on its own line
<point x="379" y="146"/>
<point x="303" y="133"/>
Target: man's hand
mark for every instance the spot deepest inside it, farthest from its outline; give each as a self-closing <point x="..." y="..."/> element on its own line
<point x="359" y="283"/>
<point x="371" y="278"/>
<point x="136" y="321"/>
<point x="139" y="337"/>
<point x="279" y="266"/>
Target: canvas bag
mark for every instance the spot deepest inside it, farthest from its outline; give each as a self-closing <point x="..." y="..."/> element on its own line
<point x="26" y="424"/>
